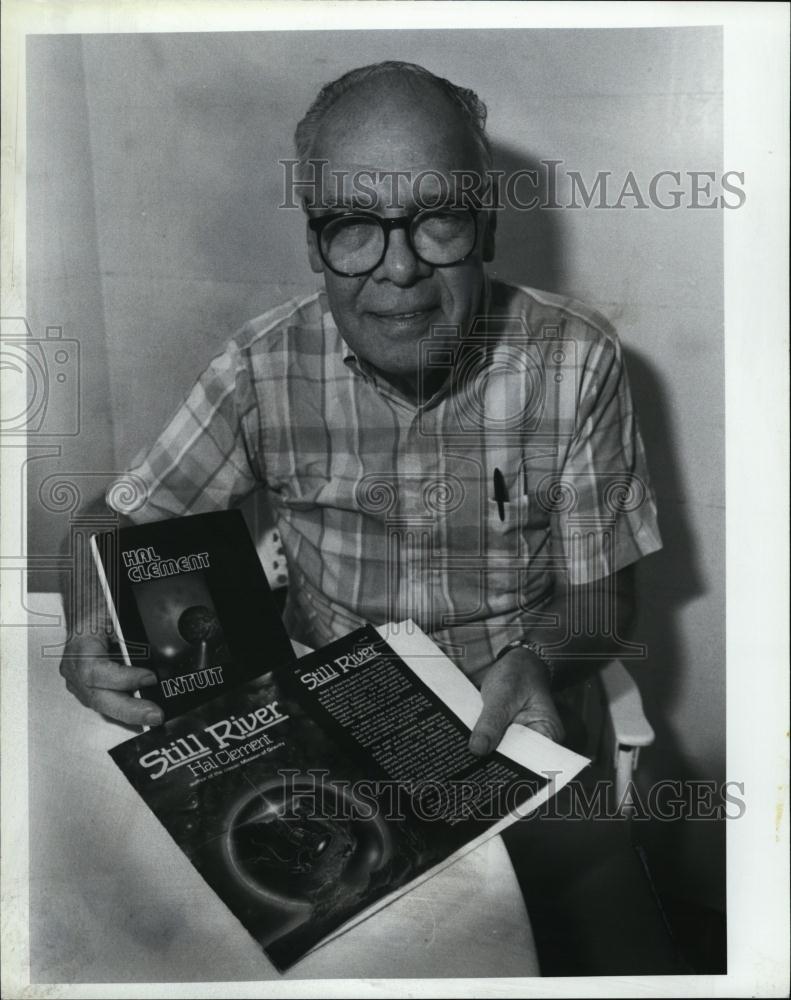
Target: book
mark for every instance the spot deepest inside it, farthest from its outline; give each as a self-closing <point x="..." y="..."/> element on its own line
<point x="189" y="600"/>
<point x="317" y="793"/>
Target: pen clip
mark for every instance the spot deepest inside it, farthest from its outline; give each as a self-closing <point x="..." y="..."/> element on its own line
<point x="500" y="493"/>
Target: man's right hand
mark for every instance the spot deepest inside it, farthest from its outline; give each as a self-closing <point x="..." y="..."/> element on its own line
<point x="107" y="686"/>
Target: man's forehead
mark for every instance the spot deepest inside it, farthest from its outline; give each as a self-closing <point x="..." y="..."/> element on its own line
<point x="372" y="188"/>
<point x="379" y="172"/>
<point x="395" y="128"/>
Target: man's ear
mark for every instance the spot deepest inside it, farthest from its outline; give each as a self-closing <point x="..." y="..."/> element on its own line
<point x="488" y="236"/>
<point x="314" y="257"/>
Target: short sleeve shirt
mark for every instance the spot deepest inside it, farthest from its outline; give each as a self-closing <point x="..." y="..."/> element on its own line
<point x="388" y="508"/>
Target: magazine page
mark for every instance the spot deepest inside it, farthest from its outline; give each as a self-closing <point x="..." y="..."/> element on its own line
<point x="190" y="601"/>
<point x="542" y="766"/>
<point x="321" y="790"/>
<point x="522" y="745"/>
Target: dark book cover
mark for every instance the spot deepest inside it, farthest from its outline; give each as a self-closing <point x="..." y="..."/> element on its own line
<point x="191" y="603"/>
<point x="306" y="796"/>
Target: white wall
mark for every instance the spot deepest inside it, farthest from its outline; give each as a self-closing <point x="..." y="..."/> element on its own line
<point x="154" y="231"/>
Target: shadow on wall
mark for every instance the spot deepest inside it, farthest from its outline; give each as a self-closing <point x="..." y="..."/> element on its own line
<point x="687" y="855"/>
<point x="671" y="577"/>
<point x="528" y="242"/>
<point x="530" y="252"/>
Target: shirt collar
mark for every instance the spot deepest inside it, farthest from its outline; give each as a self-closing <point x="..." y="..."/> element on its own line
<point x="332" y="330"/>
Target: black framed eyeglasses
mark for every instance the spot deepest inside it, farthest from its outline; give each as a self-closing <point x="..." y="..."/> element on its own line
<point x="354" y="243"/>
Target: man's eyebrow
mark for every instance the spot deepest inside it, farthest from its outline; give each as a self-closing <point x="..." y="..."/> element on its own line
<point x="360" y="204"/>
<point x="332" y="202"/>
<point x="329" y="203"/>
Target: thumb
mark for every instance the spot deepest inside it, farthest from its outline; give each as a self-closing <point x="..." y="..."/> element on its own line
<point x="496" y="715"/>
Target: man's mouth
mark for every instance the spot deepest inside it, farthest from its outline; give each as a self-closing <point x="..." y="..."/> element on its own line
<point x="404" y="315"/>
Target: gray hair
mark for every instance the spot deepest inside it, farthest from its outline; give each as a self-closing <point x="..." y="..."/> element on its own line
<point x="471" y="108"/>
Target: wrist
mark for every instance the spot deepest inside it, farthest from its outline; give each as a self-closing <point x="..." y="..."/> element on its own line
<point x="530" y="662"/>
<point x="88" y="628"/>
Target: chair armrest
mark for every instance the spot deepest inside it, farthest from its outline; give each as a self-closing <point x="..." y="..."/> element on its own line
<point x="624" y="707"/>
<point x="626" y="729"/>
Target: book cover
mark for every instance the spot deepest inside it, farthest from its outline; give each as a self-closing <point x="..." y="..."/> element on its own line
<point x="323" y="789"/>
<point x="190" y="601"/>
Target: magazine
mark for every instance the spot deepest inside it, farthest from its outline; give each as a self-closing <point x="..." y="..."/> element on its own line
<point x="189" y="600"/>
<point x="323" y="789"/>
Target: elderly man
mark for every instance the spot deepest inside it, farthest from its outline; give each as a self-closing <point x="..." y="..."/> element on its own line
<point x="434" y="444"/>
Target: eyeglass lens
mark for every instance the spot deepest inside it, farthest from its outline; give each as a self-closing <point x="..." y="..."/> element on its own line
<point x="355" y="244"/>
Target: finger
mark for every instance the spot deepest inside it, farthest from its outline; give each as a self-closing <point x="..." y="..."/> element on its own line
<point x="102" y="673"/>
<point x="78" y="669"/>
<point x="499" y="707"/>
<point x="125" y="708"/>
<point x="546" y="722"/>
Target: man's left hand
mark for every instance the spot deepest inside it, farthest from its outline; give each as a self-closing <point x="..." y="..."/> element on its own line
<point x="515" y="689"/>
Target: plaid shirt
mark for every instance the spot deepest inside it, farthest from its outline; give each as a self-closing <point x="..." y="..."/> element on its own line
<point x="387" y="508"/>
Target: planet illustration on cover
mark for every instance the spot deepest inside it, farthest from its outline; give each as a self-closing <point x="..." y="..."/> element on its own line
<point x="304" y="840"/>
<point x="198" y="624"/>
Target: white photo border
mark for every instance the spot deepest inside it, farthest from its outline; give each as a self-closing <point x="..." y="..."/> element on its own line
<point x="756" y="73"/>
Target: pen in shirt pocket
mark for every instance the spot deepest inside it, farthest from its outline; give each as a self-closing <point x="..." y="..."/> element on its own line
<point x="500" y="493"/>
<point x="501" y="497"/>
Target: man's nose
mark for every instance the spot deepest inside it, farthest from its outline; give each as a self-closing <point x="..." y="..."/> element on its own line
<point x="400" y="264"/>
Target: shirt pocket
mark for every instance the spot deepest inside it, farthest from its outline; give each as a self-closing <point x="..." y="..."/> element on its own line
<point x="524" y="514"/>
<point x="509" y="544"/>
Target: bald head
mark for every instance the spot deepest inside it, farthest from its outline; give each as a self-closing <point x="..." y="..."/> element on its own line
<point x="393" y="103"/>
<point x="396" y="123"/>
